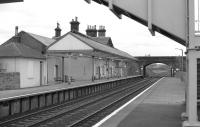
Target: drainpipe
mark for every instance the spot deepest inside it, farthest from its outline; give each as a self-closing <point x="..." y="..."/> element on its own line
<point x="92" y="68"/>
<point x="63" y="69"/>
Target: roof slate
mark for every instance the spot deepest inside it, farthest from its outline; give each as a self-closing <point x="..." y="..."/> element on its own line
<point x="45" y="40"/>
<point x="104" y="40"/>
<point x="98" y="46"/>
<point x="15" y="49"/>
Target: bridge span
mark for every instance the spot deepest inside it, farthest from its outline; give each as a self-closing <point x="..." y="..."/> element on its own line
<point x="174" y="62"/>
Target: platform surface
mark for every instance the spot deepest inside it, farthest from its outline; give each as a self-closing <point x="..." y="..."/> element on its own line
<point x="9" y="94"/>
<point x="160" y="106"/>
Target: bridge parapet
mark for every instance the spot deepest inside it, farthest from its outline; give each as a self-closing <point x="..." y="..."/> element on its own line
<point x="172" y="61"/>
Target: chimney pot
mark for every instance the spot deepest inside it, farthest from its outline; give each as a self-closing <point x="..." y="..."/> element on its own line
<point x="101" y="31"/>
<point x="91" y="31"/>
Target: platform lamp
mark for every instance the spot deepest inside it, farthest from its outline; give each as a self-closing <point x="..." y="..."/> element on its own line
<point x="182" y="66"/>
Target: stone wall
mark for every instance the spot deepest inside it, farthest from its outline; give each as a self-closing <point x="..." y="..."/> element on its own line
<point x="9" y="80"/>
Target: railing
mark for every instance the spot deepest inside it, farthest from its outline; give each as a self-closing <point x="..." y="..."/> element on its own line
<point x="197" y="17"/>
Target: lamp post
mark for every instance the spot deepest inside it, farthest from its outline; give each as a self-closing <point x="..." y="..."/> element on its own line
<point x="182" y="65"/>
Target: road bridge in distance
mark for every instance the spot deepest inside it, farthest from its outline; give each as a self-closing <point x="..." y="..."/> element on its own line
<point x="174" y="62"/>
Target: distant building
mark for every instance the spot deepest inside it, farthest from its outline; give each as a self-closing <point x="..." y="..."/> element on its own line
<point x="69" y="57"/>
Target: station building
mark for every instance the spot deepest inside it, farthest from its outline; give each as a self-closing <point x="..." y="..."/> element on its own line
<point x="71" y="57"/>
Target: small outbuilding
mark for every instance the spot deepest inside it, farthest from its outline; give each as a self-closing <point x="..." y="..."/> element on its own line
<point x="25" y="53"/>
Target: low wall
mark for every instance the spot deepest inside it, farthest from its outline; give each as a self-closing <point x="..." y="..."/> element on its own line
<point x="9" y="80"/>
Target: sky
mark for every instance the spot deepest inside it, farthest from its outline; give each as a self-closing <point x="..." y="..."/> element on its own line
<point x="40" y="17"/>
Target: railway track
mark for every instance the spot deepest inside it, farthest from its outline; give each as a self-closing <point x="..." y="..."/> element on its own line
<point x="85" y="111"/>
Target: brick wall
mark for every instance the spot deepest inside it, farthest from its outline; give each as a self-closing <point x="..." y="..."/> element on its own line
<point x="9" y="80"/>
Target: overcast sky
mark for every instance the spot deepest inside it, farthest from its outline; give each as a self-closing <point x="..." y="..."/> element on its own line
<point x="40" y="17"/>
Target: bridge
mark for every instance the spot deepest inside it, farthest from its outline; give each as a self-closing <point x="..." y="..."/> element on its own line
<point x="174" y="62"/>
<point x="176" y="19"/>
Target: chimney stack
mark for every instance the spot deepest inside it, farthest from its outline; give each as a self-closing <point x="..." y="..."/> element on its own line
<point x="57" y="31"/>
<point x="75" y="25"/>
<point x="16" y="30"/>
<point x="101" y="31"/>
<point x="16" y="38"/>
<point x="91" y="31"/>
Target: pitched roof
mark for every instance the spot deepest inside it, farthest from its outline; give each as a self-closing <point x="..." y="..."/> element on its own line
<point x="45" y="40"/>
<point x="104" y="40"/>
<point x="97" y="46"/>
<point x="15" y="49"/>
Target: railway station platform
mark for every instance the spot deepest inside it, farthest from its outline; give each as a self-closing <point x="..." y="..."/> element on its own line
<point x="23" y="92"/>
<point x="159" y="106"/>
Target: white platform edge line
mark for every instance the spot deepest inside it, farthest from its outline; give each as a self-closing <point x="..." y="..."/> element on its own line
<point x="120" y="108"/>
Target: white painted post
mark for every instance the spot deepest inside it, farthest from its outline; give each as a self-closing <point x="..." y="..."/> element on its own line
<point x="192" y="90"/>
<point x="110" y="4"/>
<point x="149" y="13"/>
<point x="193" y="54"/>
<point x="187" y="63"/>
